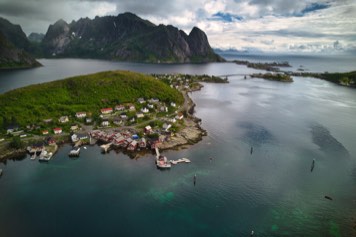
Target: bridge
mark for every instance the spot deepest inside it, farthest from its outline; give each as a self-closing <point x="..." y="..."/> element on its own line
<point x="235" y="74"/>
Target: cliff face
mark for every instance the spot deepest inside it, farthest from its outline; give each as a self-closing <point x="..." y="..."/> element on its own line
<point x="126" y="37"/>
<point x="13" y="47"/>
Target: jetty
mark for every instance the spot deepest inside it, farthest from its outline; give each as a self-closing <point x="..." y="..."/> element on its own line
<point x="45" y="156"/>
<point x="162" y="161"/>
<point x="182" y="160"/>
<point x="74" y="152"/>
<point x="105" y="147"/>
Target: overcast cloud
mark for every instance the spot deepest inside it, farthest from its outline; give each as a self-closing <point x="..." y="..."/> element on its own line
<point x="268" y="25"/>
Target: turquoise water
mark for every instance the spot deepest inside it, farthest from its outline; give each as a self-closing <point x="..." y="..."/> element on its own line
<point x="270" y="191"/>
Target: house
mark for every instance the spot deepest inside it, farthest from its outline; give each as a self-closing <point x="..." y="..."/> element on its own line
<point x="74" y="137"/>
<point x="88" y="120"/>
<point x="180" y="116"/>
<point x="117" y="121"/>
<point x="135" y="137"/>
<point x="12" y="128"/>
<point x="80" y="115"/>
<point x="44" y="132"/>
<point x="173" y="104"/>
<point x="141" y="100"/>
<point x="154" y="100"/>
<point x="166" y="126"/>
<point x="164" y="109"/>
<point x="74" y="127"/>
<point x="131" y="107"/>
<point x="132" y="120"/>
<point x="140" y="115"/>
<point x="142" y="143"/>
<point x="148" y="129"/>
<point x="119" y="107"/>
<point x="132" y="146"/>
<point x="150" y="106"/>
<point x="105" y="123"/>
<point x="145" y="110"/>
<point x="57" y="130"/>
<point x="123" y="115"/>
<point x="172" y="120"/>
<point x="63" y="119"/>
<point x="106" y="111"/>
<point x="83" y="136"/>
<point x="50" y="141"/>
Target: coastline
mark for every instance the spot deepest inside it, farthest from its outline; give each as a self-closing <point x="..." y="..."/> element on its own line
<point x="191" y="134"/>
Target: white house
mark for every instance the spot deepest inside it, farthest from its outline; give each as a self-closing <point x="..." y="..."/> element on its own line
<point x="63" y="119"/>
<point x="80" y="114"/>
<point x="145" y="110"/>
<point x="140" y="115"/>
<point x="105" y="123"/>
<point x="180" y="116"/>
<point x="57" y="130"/>
<point x="173" y="104"/>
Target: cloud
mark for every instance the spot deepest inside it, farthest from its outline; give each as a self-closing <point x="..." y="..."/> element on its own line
<point x="269" y="25"/>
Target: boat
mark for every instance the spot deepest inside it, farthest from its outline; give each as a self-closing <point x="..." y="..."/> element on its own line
<point x="33" y="157"/>
<point x="0" y="172"/>
<point x="45" y="156"/>
<point x="74" y="152"/>
<point x="162" y="162"/>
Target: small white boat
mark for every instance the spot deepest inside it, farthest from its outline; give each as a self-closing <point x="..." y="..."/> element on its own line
<point x="85" y="147"/>
<point x="45" y="156"/>
<point x="74" y="152"/>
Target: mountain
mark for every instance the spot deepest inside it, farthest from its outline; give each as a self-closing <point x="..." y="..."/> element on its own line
<point x="36" y="37"/>
<point x="127" y="37"/>
<point x="14" y="46"/>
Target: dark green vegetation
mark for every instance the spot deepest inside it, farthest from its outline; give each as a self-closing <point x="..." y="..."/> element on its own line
<point x="14" y="47"/>
<point x="274" y="77"/>
<point x="341" y="78"/>
<point x="126" y="37"/>
<point x="264" y="66"/>
<point x="89" y="93"/>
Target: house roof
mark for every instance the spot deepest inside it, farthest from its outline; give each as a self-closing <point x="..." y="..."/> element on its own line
<point x="57" y="129"/>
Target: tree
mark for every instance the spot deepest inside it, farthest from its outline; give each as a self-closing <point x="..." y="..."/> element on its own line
<point x="16" y="143"/>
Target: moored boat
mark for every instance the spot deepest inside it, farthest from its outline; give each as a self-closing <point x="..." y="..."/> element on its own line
<point x="74" y="152"/>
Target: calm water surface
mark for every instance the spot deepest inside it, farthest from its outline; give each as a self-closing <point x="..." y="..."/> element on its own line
<point x="270" y="191"/>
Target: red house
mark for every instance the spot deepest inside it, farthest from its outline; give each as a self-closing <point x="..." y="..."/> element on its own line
<point x="106" y="111"/>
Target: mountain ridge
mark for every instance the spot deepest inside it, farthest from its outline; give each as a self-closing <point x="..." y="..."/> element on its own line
<point x="127" y="37"/>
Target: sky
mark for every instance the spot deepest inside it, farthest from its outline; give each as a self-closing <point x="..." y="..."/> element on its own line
<point x="288" y="26"/>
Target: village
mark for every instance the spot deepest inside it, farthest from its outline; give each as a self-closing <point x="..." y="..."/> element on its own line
<point x="135" y="126"/>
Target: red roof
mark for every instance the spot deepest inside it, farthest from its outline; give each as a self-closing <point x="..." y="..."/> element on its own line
<point x="57" y="129"/>
<point x="106" y="110"/>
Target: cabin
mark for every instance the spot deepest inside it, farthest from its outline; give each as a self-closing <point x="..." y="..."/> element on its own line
<point x="88" y="120"/>
<point x="50" y="141"/>
<point x="142" y="143"/>
<point x="141" y="100"/>
<point x="154" y="100"/>
<point x="119" y="107"/>
<point x="148" y="129"/>
<point x="144" y="110"/>
<point x="123" y="115"/>
<point x="131" y="107"/>
<point x="163" y="109"/>
<point x="180" y="116"/>
<point x="140" y="115"/>
<point x="105" y="123"/>
<point x="106" y="111"/>
<point x="80" y="115"/>
<point x="45" y="132"/>
<point x="57" y="130"/>
<point x="132" y="146"/>
<point x="150" y="106"/>
<point x="74" y="127"/>
<point x="63" y="119"/>
<point x="173" y="104"/>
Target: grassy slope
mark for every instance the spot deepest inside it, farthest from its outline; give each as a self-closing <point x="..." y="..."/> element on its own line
<point x="87" y="93"/>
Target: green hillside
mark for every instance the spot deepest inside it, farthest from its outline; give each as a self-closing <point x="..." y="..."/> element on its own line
<point x="90" y="93"/>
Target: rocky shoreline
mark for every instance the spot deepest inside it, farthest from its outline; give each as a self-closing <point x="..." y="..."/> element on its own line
<point x="191" y="134"/>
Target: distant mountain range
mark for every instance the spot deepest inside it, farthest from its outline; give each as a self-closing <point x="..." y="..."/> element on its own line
<point x="14" y="47"/>
<point x="126" y="37"/>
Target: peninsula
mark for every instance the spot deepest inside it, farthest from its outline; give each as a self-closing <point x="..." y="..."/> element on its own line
<point x="153" y="107"/>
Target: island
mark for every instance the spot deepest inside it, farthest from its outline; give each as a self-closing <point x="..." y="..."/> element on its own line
<point x="147" y="110"/>
<point x="274" y="66"/>
<point x="347" y="79"/>
<point x="282" y="77"/>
